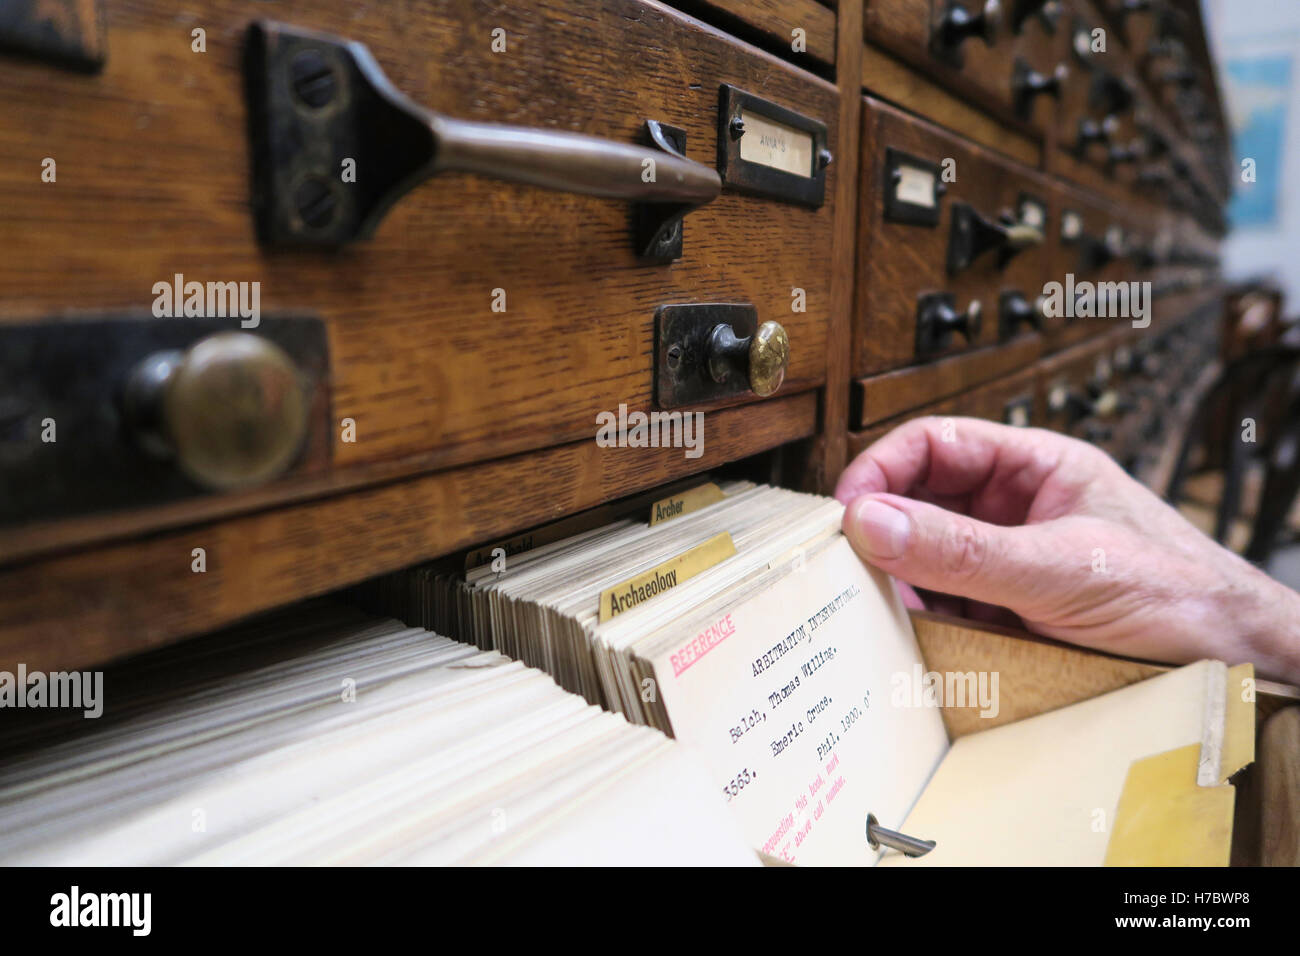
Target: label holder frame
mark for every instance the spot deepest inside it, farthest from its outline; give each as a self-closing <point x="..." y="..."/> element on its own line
<point x="901" y="210"/>
<point x="757" y="179"/>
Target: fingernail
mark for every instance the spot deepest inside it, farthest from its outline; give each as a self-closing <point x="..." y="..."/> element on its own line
<point x="878" y="529"/>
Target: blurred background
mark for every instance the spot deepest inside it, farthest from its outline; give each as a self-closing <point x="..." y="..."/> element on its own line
<point x="1241" y="485"/>
<point x="1256" y="44"/>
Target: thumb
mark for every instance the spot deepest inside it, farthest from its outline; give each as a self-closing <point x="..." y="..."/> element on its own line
<point x="935" y="549"/>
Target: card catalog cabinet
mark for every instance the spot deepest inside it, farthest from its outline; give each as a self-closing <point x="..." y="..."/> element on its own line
<point x="451" y="291"/>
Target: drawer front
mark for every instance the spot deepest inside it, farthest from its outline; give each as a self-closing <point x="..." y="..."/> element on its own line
<point x="1096" y="123"/>
<point x="913" y="250"/>
<point x="1012" y="400"/>
<point x="1006" y="64"/>
<point x="886" y="395"/>
<point x="1083" y="394"/>
<point x="1161" y="42"/>
<point x="1120" y="129"/>
<point x="1093" y="265"/>
<point x="1130" y="392"/>
<point x="803" y="29"/>
<point x="1185" y="258"/>
<point x="482" y="318"/>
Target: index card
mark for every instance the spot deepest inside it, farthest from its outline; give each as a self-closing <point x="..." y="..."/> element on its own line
<point x="786" y="696"/>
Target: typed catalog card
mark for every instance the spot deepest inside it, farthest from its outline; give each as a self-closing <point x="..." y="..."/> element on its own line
<point x="787" y="697"/>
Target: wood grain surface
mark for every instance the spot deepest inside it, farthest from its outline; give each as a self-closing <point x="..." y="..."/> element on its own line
<point x="778" y="19"/>
<point x="985" y="73"/>
<point x="86" y="607"/>
<point x="892" y="393"/>
<point x="473" y="423"/>
<point x="988" y="401"/>
<point x="153" y="180"/>
<point x="888" y="78"/>
<point x="827" y="457"/>
<point x="1037" y="674"/>
<point x="897" y="261"/>
<point x="1279" y="760"/>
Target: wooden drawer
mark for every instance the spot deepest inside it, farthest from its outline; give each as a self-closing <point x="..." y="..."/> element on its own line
<point x="996" y="74"/>
<point x="1013" y="400"/>
<point x="1092" y="246"/>
<point x="1096" y="121"/>
<point x="482" y="319"/>
<point x="804" y="28"/>
<point x="1118" y="130"/>
<point x="1116" y="392"/>
<point x="1135" y="27"/>
<point x="1162" y="45"/>
<point x="1076" y="389"/>
<point x="883" y="396"/>
<point x="1039" y="675"/>
<point x="905" y="247"/>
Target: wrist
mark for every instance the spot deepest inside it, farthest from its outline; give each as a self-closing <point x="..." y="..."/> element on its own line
<point x="1267" y="619"/>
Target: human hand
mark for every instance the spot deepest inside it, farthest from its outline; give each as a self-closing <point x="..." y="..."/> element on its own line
<point x="1053" y="530"/>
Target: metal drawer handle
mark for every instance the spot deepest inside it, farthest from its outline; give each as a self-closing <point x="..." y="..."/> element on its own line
<point x="957" y="25"/>
<point x="937" y="319"/>
<point x="570" y="162"/>
<point x="232" y="409"/>
<point x="317" y="101"/>
<point x="1027" y="84"/>
<point x="972" y="235"/>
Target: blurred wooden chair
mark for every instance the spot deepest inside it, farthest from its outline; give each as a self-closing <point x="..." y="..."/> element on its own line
<point x="1250" y="418"/>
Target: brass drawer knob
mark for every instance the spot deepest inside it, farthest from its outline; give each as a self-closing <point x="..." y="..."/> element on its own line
<point x="232" y="409"/>
<point x="763" y="357"/>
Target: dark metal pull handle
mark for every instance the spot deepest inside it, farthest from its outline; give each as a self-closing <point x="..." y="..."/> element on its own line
<point x="1027" y="84"/>
<point x="317" y="101"/>
<point x="1109" y="94"/>
<point x="1097" y="252"/>
<point x="1123" y="153"/>
<point x="1075" y="406"/>
<point x="972" y="235"/>
<point x="1014" y="310"/>
<point x="570" y="162"/>
<point x="958" y="24"/>
<point x="1091" y="131"/>
<point x="937" y="319"/>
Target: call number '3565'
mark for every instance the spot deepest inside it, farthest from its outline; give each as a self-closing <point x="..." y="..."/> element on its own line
<point x="738" y="783"/>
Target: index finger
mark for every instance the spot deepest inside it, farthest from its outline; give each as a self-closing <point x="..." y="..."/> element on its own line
<point x="1000" y="467"/>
